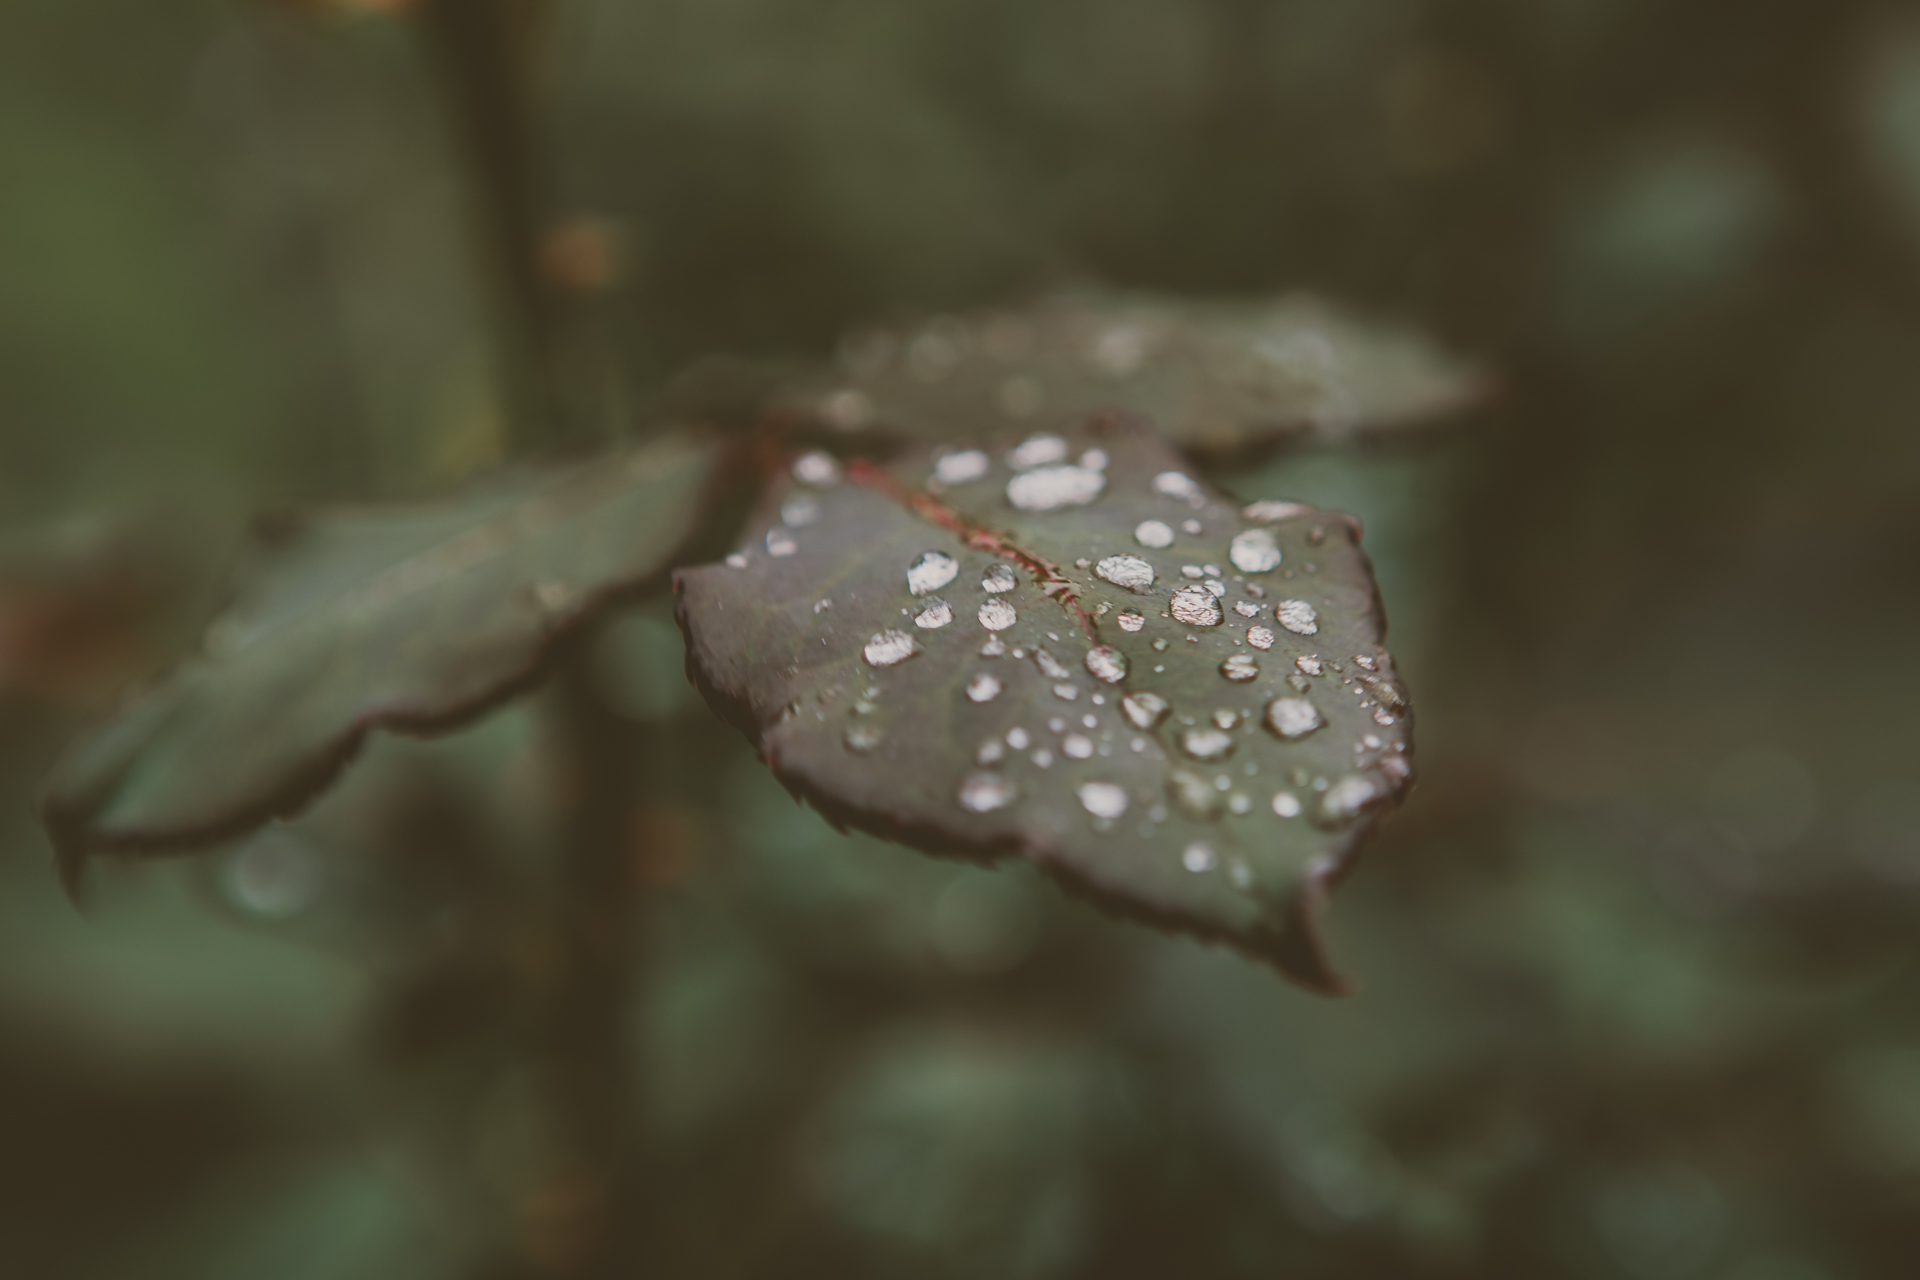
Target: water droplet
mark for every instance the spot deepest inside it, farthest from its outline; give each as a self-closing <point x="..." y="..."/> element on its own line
<point x="1286" y="804"/>
<point x="1260" y="637"/>
<point x="1042" y="759"/>
<point x="1254" y="551"/>
<point x="1107" y="663"/>
<point x="1037" y="451"/>
<point x="1197" y="607"/>
<point x="1130" y="572"/>
<point x="1240" y="667"/>
<point x="1057" y="724"/>
<point x="1207" y="744"/>
<point x="816" y="469"/>
<point x="1065" y="692"/>
<point x="1292" y="718"/>
<point x="1241" y="874"/>
<point x="1144" y="710"/>
<point x="1192" y="797"/>
<point x="1103" y="799"/>
<point x="938" y="613"/>
<point x="998" y="579"/>
<point x="932" y="571"/>
<point x="985" y="792"/>
<point x="993" y="648"/>
<point x="1159" y="646"/>
<point x="1090" y="721"/>
<point x="1175" y="484"/>
<point x="889" y="647"/>
<point x="1094" y="459"/>
<point x="1216" y="586"/>
<point x="1225" y="719"/>
<point x="1197" y="858"/>
<point x="1077" y="745"/>
<point x="1050" y="666"/>
<point x="1298" y="617"/>
<point x="863" y="738"/>
<point x="1239" y="804"/>
<point x="1309" y="664"/>
<point x="1364" y="662"/>
<point x="983" y="688"/>
<point x="997" y="615"/>
<point x="1246" y="608"/>
<point x="1132" y="620"/>
<point x="1138" y="746"/>
<point x="1190" y="526"/>
<point x="963" y="467"/>
<point x="990" y="752"/>
<point x="1051" y="488"/>
<point x="737" y="560"/>
<point x="1381" y="717"/>
<point x="799" y="511"/>
<point x="1193" y="571"/>
<point x="1269" y="511"/>
<point x="1153" y="533"/>
<point x="1018" y="739"/>
<point x="1350" y="795"/>
<point x="781" y="543"/>
<point x="1371" y="741"/>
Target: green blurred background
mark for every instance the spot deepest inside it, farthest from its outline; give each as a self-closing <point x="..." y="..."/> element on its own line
<point x="1641" y="955"/>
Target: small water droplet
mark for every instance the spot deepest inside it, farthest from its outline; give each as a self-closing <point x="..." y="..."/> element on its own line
<point x="1190" y="526"/>
<point x="932" y="571"/>
<point x="1050" y="666"/>
<point x="1381" y="717"/>
<point x="990" y="752"/>
<point x="1297" y="616"/>
<point x="1130" y="572"/>
<point x="799" y="511"/>
<point x="1260" y="637"/>
<point x="1037" y="451"/>
<point x="963" y="467"/>
<point x="1197" y="858"/>
<point x="1144" y="710"/>
<point x="1240" y="873"/>
<point x="1192" y="797"/>
<point x="1018" y="739"/>
<point x="1132" y="620"/>
<point x="781" y="543"/>
<point x="1286" y="804"/>
<point x="1065" y="692"/>
<point x="862" y="738"/>
<point x="1346" y="799"/>
<point x="816" y="469"/>
<point x="1153" y="533"/>
<point x="1104" y="662"/>
<point x="1094" y="459"/>
<point x="1193" y="571"/>
<point x="1364" y="662"/>
<point x="1176" y="484"/>
<point x="1239" y="804"/>
<point x="1292" y="718"/>
<point x="1216" y="586"/>
<point x="1240" y="667"/>
<point x="938" y="613"/>
<point x="889" y="647"/>
<point x="983" y="688"/>
<point x="1089" y="721"/>
<point x="1254" y="551"/>
<point x="1207" y="744"/>
<point x="1103" y="799"/>
<point x="1316" y="535"/>
<point x="997" y="615"/>
<point x="1159" y="646"/>
<point x="1197" y="607"/>
<point x="1269" y="511"/>
<point x="1246" y="608"/>
<point x="1138" y="746"/>
<point x="993" y="648"/>
<point x="1309" y="664"/>
<point x="1051" y="488"/>
<point x="985" y="792"/>
<point x="737" y="560"/>
<point x="998" y="579"/>
<point x="1078" y="746"/>
<point x="1225" y="719"/>
<point x="1042" y="759"/>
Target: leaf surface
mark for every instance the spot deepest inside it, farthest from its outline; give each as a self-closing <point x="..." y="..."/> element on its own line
<point x="1213" y="376"/>
<point x="918" y="656"/>
<point x="412" y="618"/>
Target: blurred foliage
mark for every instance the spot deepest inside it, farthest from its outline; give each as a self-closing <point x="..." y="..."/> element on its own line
<point x="1640" y="952"/>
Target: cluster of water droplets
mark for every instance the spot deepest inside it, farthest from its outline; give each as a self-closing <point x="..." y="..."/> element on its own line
<point x="1045" y="481"/>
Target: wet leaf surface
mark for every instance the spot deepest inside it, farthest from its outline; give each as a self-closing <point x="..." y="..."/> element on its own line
<point x="1068" y="649"/>
<point x="1213" y="376"/>
<point x="411" y="618"/>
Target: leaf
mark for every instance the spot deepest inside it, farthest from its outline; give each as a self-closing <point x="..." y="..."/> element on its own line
<point x="824" y="640"/>
<point x="1212" y="376"/>
<point x="412" y="618"/>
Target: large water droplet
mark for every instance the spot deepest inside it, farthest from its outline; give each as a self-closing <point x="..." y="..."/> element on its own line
<point x="1254" y="551"/>
<point x="1077" y="746"/>
<point x="1130" y="572"/>
<point x="1103" y="799"/>
<point x="816" y="469"/>
<point x="781" y="543"/>
<point x="1193" y="797"/>
<point x="997" y="615"/>
<point x="1132" y="620"/>
<point x="1051" y="488"/>
<point x="984" y="792"/>
<point x="889" y="647"/>
<point x="1260" y="637"/>
<point x="1104" y="662"/>
<point x="1144" y="710"/>
<point x="963" y="467"/>
<point x="1297" y="616"/>
<point x="983" y="688"/>
<point x="1037" y="451"/>
<point x="1175" y="484"/>
<point x="932" y="571"/>
<point x="1292" y="718"/>
<point x="1240" y="666"/>
<point x="862" y="738"/>
<point x="1198" y="857"/>
<point x="938" y="613"/>
<point x="1207" y="744"/>
<point x="998" y="579"/>
<point x="1286" y="804"/>
<point x="1153" y="533"/>
<point x="1196" y="606"/>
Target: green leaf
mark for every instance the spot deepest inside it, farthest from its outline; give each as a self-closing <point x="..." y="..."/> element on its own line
<point x="1027" y="724"/>
<point x="1212" y="376"/>
<point x="412" y="618"/>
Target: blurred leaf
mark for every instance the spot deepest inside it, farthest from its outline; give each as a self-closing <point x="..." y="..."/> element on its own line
<point x="412" y="618"/>
<point x="1212" y="376"/>
<point x="1191" y="758"/>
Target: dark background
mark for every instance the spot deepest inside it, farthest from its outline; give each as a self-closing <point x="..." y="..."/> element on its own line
<point x="1641" y="955"/>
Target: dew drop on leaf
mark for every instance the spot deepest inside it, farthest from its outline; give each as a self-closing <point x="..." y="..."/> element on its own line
<point x="1176" y="484"/>
<point x="862" y="738"/>
<point x="932" y="571"/>
<point x="889" y="647"/>
<point x="1269" y="511"/>
<point x="938" y="613"/>
<point x="1037" y="451"/>
<point x="1050" y="666"/>
<point x="984" y="792"/>
<point x="997" y="615"/>
<point x="1240" y="667"/>
<point x="1130" y="572"/>
<point x="1065" y="692"/>
<point x="990" y="752"/>
<point x="1309" y="664"/>
<point x="1103" y="799"/>
<point x="1345" y="800"/>
<point x="1051" y="488"/>
<point x="1207" y="744"/>
<point x="1192" y="797"/>
<point x="781" y="543"/>
<point x="1225" y="719"/>
<point x="1144" y="710"/>
<point x="1196" y="606"/>
<point x="1292" y="718"/>
<point x="963" y="467"/>
<point x="1077" y="746"/>
<point x="983" y="688"/>
<point x="737" y="561"/>
<point x="1197" y="857"/>
<point x="1018" y="739"/>
<point x="1153" y="533"/>
<point x="1254" y="551"/>
<point x="1297" y="616"/>
<point x="1239" y="804"/>
<point x="1132" y="620"/>
<point x="1246" y="608"/>
<point x="993" y="648"/>
<point x="1286" y="804"/>
<point x="1104" y="662"/>
<point x="1260" y="637"/>
<point x="816" y="469"/>
<point x="998" y="579"/>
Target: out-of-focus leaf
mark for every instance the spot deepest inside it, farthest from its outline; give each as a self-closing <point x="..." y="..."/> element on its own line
<point x="972" y="674"/>
<point x="1214" y="376"/>
<point x="411" y="618"/>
